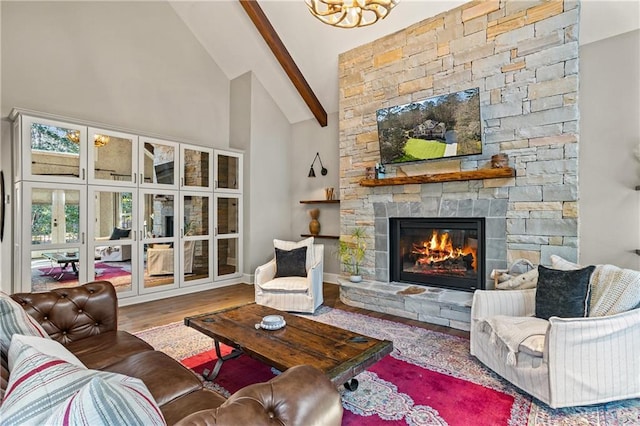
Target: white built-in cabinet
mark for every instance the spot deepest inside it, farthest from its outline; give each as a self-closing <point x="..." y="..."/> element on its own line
<point x="227" y="214"/>
<point x="147" y="214"/>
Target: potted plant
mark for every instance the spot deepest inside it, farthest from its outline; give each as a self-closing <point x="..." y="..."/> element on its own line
<point x="351" y="253"/>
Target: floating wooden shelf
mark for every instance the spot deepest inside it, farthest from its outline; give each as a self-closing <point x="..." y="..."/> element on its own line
<point x="331" y="237"/>
<point x="319" y="201"/>
<point x="504" y="172"/>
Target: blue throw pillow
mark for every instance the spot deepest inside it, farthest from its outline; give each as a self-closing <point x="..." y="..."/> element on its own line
<point x="291" y="263"/>
<point x="564" y="294"/>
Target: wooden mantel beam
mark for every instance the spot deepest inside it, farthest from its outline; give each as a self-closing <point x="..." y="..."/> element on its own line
<point x="281" y="53"/>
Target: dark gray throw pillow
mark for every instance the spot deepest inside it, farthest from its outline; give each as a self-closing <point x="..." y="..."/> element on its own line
<point x="119" y="233"/>
<point x="291" y="263"/>
<point x="564" y="294"/>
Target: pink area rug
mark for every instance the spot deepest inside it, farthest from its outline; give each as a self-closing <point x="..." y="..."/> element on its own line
<point x="104" y="271"/>
<point x="429" y="379"/>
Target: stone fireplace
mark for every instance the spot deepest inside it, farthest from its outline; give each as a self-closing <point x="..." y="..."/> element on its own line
<point x="523" y="57"/>
<point x="438" y="305"/>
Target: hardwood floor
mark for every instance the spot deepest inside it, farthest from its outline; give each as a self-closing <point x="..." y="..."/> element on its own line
<point x="139" y="317"/>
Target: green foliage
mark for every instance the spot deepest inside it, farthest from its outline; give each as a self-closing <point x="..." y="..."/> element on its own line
<point x="126" y="203"/>
<point x="52" y="139"/>
<point x="351" y="253"/>
<point x="40" y="219"/>
<point x="189" y="227"/>
<point x="72" y="213"/>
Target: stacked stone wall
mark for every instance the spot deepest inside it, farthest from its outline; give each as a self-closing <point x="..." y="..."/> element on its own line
<point x="523" y="56"/>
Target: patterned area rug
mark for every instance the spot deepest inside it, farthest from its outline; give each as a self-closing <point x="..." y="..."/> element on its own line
<point x="52" y="276"/>
<point x="429" y="379"/>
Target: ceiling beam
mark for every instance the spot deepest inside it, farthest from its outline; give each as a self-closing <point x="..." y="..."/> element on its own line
<point x="281" y="53"/>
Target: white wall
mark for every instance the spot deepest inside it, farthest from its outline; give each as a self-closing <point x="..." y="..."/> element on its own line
<point x="132" y="65"/>
<point x="609" y="159"/>
<point x="5" y="166"/>
<point x="240" y="138"/>
<point x="129" y="64"/>
<point x="277" y="160"/>
<point x="267" y="213"/>
<point x="307" y="139"/>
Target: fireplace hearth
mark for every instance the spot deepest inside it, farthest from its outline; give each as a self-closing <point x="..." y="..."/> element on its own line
<point x="438" y="252"/>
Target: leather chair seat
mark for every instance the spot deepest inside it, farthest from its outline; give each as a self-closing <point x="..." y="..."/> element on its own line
<point x="102" y="350"/>
<point x="154" y="369"/>
<point x="199" y="400"/>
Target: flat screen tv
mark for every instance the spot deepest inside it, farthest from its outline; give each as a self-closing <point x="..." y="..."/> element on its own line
<point x="440" y="127"/>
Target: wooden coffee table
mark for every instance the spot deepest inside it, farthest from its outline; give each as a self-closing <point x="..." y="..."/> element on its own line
<point x="339" y="353"/>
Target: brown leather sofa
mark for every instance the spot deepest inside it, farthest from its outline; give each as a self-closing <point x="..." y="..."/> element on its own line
<point x="84" y="319"/>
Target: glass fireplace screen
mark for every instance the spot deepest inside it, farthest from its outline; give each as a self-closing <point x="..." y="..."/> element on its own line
<point x="436" y="252"/>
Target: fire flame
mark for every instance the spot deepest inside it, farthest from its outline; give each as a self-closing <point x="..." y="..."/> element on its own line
<point x="440" y="248"/>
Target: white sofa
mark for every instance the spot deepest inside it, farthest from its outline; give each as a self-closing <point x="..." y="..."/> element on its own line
<point x="576" y="361"/>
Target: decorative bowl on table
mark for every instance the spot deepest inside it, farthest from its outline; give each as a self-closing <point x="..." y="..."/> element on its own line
<point x="272" y="322"/>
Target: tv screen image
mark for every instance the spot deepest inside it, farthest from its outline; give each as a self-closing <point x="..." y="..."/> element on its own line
<point x="438" y="127"/>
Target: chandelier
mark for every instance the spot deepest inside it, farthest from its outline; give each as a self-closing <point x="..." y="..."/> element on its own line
<point x="98" y="140"/>
<point x="350" y="13"/>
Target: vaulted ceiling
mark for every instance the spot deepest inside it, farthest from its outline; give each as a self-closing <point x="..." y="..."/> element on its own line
<point x="228" y="35"/>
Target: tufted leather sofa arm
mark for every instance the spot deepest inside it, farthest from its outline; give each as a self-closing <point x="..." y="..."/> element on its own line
<point x="302" y="395"/>
<point x="71" y="314"/>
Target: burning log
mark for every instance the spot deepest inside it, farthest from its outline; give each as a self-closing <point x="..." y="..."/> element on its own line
<point x="459" y="263"/>
<point x="440" y="255"/>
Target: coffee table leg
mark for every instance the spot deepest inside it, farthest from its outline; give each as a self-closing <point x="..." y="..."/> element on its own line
<point x="351" y="385"/>
<point x="235" y="353"/>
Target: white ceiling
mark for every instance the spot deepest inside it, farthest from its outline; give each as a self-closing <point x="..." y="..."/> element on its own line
<point x="228" y="35"/>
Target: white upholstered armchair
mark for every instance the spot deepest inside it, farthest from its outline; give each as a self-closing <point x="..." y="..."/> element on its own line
<point x="160" y="259"/>
<point x="575" y="361"/>
<point x="292" y="293"/>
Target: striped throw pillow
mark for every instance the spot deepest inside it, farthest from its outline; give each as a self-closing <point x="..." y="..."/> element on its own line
<point x="47" y="346"/>
<point x="126" y="401"/>
<point x="39" y="383"/>
<point x="15" y="320"/>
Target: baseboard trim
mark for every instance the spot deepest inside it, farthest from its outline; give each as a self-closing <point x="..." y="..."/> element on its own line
<point x="330" y="278"/>
<point x="178" y="292"/>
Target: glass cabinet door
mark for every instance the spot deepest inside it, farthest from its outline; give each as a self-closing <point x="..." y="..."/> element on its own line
<point x="227" y="235"/>
<point x="196" y="237"/>
<point x="227" y="252"/>
<point x="53" y="151"/>
<point x="52" y="238"/>
<point x="112" y="157"/>
<point x="158" y="164"/>
<point x="196" y="168"/>
<point x="113" y="237"/>
<point x="228" y="171"/>
<point x="159" y="219"/>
